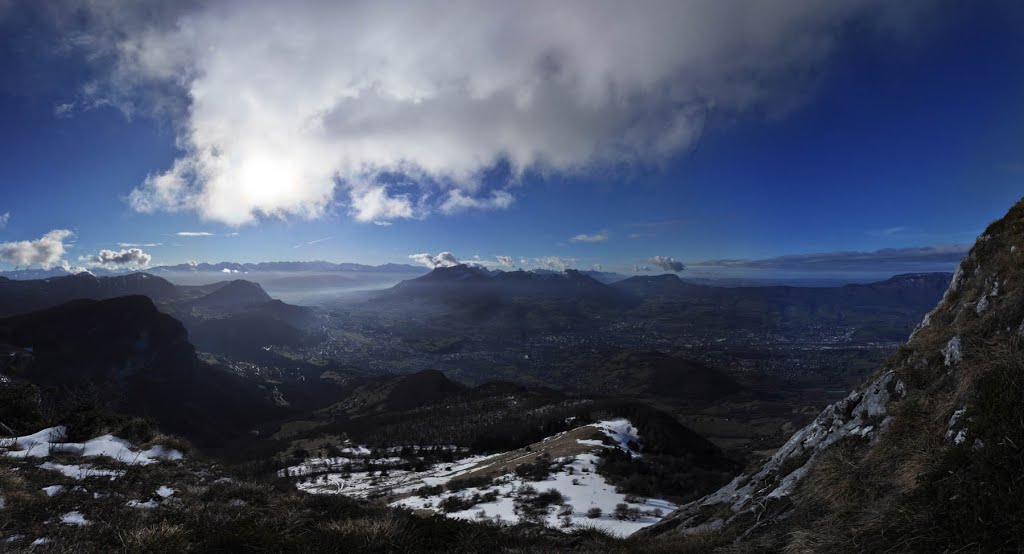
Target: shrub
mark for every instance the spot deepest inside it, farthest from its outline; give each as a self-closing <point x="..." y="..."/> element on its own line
<point x="537" y="470"/>
<point x="624" y="512"/>
<point x="137" y="431"/>
<point x="594" y="513"/>
<point x="533" y="505"/>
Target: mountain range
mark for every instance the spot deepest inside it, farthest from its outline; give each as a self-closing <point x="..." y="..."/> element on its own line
<point x="234" y="317"/>
<point x="220" y="267"/>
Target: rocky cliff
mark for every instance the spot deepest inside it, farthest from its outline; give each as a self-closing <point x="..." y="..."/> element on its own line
<point x="925" y="456"/>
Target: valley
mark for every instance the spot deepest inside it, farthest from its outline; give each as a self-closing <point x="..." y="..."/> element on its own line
<point x="517" y="399"/>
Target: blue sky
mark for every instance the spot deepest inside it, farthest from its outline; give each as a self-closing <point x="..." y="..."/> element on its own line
<point x="909" y="134"/>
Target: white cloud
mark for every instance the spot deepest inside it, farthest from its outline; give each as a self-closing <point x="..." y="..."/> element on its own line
<point x="497" y="262"/>
<point x="73" y="269"/>
<point x="596" y="237"/>
<point x="443" y="259"/>
<point x="556" y="263"/>
<point x="46" y="251"/>
<point x="641" y="268"/>
<point x="287" y="102"/>
<point x="667" y="263"/>
<point x="193" y="234"/>
<point x="4" y="218"/>
<point x="64" y="110"/>
<point x="374" y="204"/>
<point x="459" y="201"/>
<point x="131" y="257"/>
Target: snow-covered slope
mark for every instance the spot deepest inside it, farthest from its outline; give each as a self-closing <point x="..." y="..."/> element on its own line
<point x="52" y="441"/>
<point x="554" y="482"/>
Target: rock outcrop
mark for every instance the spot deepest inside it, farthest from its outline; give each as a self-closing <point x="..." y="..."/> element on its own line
<point x="926" y="455"/>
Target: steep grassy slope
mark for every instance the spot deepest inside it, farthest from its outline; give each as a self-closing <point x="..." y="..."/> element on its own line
<point x="124" y="354"/>
<point x="928" y="456"/>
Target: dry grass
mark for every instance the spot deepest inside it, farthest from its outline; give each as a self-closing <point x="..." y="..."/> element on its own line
<point x="895" y="494"/>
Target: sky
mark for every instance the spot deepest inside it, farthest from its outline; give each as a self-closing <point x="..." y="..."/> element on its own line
<point x="737" y="137"/>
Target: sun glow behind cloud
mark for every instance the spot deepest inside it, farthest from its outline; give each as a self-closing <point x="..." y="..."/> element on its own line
<point x="283" y="105"/>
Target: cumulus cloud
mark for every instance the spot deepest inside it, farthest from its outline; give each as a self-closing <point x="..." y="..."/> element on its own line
<point x="497" y="262"/>
<point x="925" y="258"/>
<point x="556" y="263"/>
<point x="46" y="251"/>
<point x="73" y="269"/>
<point x="639" y="268"/>
<point x="130" y="257"/>
<point x="443" y="259"/>
<point x="596" y="237"/>
<point x="4" y="218"/>
<point x="282" y="104"/>
<point x="193" y="234"/>
<point x="667" y="263"/>
<point x="374" y="204"/>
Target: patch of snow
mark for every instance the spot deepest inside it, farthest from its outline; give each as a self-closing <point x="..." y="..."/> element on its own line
<point x="79" y="472"/>
<point x="3" y="503"/>
<point x="581" y="490"/>
<point x="622" y="432"/>
<point x="147" y="505"/>
<point x="74" y="518"/>
<point x="53" y="490"/>
<point x="165" y="492"/>
<point x="336" y="475"/>
<point x="40" y="541"/>
<point x="576" y="480"/>
<point x="52" y="441"/>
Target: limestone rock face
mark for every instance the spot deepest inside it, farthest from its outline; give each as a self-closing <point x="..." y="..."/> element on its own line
<point x="911" y="416"/>
<point x="863" y="413"/>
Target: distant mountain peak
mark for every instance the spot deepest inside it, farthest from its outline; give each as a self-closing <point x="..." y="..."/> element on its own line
<point x="287" y="267"/>
<point x="235" y="293"/>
